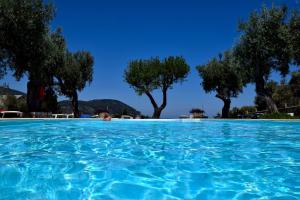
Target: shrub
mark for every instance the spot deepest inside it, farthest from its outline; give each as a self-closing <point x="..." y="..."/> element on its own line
<point x="277" y="116"/>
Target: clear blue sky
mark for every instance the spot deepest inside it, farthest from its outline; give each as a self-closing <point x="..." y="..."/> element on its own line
<point x="116" y="31"/>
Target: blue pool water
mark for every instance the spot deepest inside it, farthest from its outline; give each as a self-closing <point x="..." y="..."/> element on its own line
<point x="82" y="159"/>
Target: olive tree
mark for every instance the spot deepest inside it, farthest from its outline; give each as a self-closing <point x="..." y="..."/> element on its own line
<point x="145" y="76"/>
<point x="24" y="24"/>
<point x="73" y="77"/>
<point x="294" y="30"/>
<point x="224" y="77"/>
<point x="294" y="83"/>
<point x="26" y="45"/>
<point x="43" y="79"/>
<point x="263" y="47"/>
<point x="294" y="36"/>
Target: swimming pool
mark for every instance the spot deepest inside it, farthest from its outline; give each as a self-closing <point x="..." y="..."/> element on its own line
<point x="208" y="159"/>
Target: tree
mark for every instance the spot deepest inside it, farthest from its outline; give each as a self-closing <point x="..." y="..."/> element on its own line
<point x="40" y="90"/>
<point x="294" y="36"/>
<point x="223" y="77"/>
<point x="10" y="102"/>
<point x="244" y="111"/>
<point x="263" y="47"/>
<point x="24" y="25"/>
<point x="284" y="95"/>
<point x="3" y="63"/>
<point x="145" y="76"/>
<point x="73" y="77"/>
<point x="294" y="83"/>
<point x="27" y="46"/>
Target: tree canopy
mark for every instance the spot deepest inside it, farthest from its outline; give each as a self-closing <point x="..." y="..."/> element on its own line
<point x="24" y="27"/>
<point x="284" y="95"/>
<point x="294" y="36"/>
<point x="76" y="72"/>
<point x="264" y="47"/>
<point x="224" y="77"/>
<point x="295" y="83"/>
<point x="28" y="46"/>
<point x="145" y="76"/>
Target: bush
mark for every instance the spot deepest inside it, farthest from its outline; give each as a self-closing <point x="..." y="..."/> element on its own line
<point x="244" y="111"/>
<point x="277" y="116"/>
<point x="10" y="102"/>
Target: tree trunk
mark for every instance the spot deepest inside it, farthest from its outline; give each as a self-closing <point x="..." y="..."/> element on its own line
<point x="271" y="106"/>
<point x="75" y="104"/>
<point x="156" y="113"/>
<point x="158" y="110"/>
<point x="226" y="106"/>
<point x="261" y="92"/>
<point x="33" y="102"/>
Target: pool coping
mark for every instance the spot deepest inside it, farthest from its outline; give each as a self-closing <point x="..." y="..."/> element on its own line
<point x="146" y="120"/>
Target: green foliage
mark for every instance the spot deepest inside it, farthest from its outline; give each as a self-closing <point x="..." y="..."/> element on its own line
<point x="27" y="45"/>
<point x="74" y="75"/>
<point x="24" y="27"/>
<point x="21" y="104"/>
<point x="244" y="110"/>
<point x="148" y="75"/>
<point x="282" y="94"/>
<point x="294" y="83"/>
<point x="54" y="61"/>
<point x="144" y="76"/>
<point x="294" y="36"/>
<point x="247" y="110"/>
<point x="277" y="116"/>
<point x="264" y="47"/>
<point x="76" y="72"/>
<point x="3" y="63"/>
<point x="260" y="103"/>
<point x="263" y="44"/>
<point x="222" y="76"/>
<point x="10" y="102"/>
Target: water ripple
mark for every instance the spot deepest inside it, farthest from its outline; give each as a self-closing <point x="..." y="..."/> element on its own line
<point x="77" y="159"/>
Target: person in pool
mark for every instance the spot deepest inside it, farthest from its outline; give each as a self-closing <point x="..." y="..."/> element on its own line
<point x="105" y="116"/>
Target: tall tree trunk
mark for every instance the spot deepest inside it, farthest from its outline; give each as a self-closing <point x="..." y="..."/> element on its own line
<point x="50" y="100"/>
<point x="33" y="101"/>
<point x="261" y="92"/>
<point x="156" y="113"/>
<point x="75" y="104"/>
<point x="271" y="106"/>
<point x="158" y="110"/>
<point x="226" y="106"/>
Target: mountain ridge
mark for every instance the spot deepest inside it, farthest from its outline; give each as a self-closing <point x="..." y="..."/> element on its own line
<point x="9" y="91"/>
<point x="94" y="106"/>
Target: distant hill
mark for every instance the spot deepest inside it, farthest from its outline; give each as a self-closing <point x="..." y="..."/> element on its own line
<point x="91" y="107"/>
<point x="8" y="91"/>
<point x="87" y="107"/>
